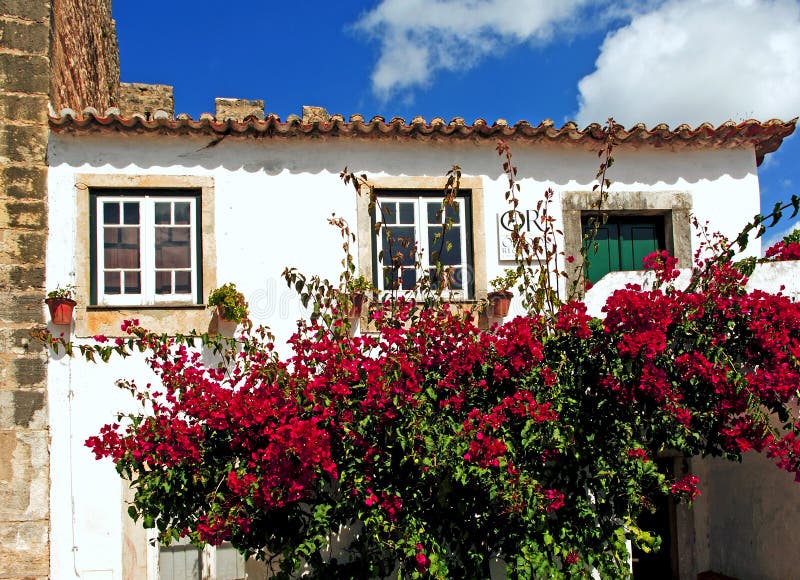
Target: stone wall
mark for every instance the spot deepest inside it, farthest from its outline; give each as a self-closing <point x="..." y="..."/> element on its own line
<point x="64" y="52"/>
<point x="85" y="55"/>
<point x="24" y="437"/>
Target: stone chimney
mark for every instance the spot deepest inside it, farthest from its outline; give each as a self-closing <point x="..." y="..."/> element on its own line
<point x="144" y="99"/>
<point x="238" y="109"/>
<point x="315" y="114"/>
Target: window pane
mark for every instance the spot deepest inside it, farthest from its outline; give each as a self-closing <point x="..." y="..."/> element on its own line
<point x="173" y="248"/>
<point x="133" y="283"/>
<point x="409" y="278"/>
<point x="437" y="215"/>
<point x="406" y="276"/>
<point x="407" y="213"/>
<point x="388" y="213"/>
<point x="456" y="276"/>
<point x="110" y="213"/>
<point x="399" y="247"/>
<point x="389" y="278"/>
<point x="182" y="213"/>
<point x="164" y="282"/>
<point x="111" y="283"/>
<point x="438" y="245"/>
<point x="183" y="282"/>
<point x="163" y="213"/>
<point x="131" y="212"/>
<point x="121" y="247"/>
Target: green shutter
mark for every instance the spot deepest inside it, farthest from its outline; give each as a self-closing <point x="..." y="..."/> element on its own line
<point x="622" y="243"/>
<point x="636" y="242"/>
<point x="603" y="255"/>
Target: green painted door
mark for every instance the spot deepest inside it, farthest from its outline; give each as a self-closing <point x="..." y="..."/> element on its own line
<point x="622" y="243"/>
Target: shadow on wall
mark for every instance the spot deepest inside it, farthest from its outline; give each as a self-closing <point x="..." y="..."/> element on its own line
<point x="557" y="165"/>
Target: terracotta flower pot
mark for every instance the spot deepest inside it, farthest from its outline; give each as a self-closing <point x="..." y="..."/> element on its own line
<point x="61" y="310"/>
<point x="356" y="306"/>
<point x="500" y="301"/>
<point x="221" y="313"/>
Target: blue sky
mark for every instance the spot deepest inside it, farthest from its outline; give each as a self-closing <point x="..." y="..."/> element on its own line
<point x="652" y="61"/>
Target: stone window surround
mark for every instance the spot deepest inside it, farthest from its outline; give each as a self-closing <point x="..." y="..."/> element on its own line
<point x="433" y="185"/>
<point x="674" y="206"/>
<point x="91" y="320"/>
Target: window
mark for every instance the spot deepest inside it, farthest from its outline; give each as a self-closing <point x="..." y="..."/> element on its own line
<point x="639" y="222"/>
<point x="413" y="228"/>
<point x="622" y="243"/>
<point x="145" y="247"/>
<point x="183" y="561"/>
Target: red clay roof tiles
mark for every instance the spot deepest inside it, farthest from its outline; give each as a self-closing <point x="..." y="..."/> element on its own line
<point x="765" y="137"/>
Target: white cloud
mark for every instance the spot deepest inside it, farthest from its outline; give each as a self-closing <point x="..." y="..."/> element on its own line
<point x="420" y="37"/>
<point x="689" y="61"/>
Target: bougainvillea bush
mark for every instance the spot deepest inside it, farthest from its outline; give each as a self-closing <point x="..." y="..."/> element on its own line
<point x="430" y="447"/>
<point x="786" y="249"/>
<point x="443" y="446"/>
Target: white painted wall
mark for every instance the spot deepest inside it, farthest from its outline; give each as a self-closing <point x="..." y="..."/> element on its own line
<point x="272" y="201"/>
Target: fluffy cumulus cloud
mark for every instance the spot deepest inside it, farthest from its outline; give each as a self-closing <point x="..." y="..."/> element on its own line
<point x="689" y="61"/>
<point x="420" y="37"/>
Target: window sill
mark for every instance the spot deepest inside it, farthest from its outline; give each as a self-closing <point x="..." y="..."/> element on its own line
<point x="161" y="318"/>
<point x="148" y="307"/>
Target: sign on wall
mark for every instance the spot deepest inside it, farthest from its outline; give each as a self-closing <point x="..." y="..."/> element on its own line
<point x="505" y="225"/>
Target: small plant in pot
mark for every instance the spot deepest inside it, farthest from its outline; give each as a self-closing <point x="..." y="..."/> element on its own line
<point x="230" y="303"/>
<point x="61" y="304"/>
<point x="357" y="289"/>
<point x="500" y="297"/>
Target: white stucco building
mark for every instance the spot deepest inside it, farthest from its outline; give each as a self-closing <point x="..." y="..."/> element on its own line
<point x="147" y="216"/>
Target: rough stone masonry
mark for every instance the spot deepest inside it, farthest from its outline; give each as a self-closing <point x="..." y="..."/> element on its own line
<point x="63" y="53"/>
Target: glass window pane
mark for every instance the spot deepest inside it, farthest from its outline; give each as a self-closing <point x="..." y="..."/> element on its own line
<point x="111" y="283"/>
<point x="389" y="278"/>
<point x="121" y="247"/>
<point x="173" y="249"/>
<point x="110" y="212"/>
<point x="133" y="283"/>
<point x="183" y="282"/>
<point x="437" y="215"/>
<point x="388" y="212"/>
<point x="455" y="275"/>
<point x="182" y="213"/>
<point x="164" y="282"/>
<point x="163" y="215"/>
<point x="131" y="212"/>
<point x="407" y="213"/>
<point x="399" y="246"/>
<point x="445" y="249"/>
<point x="409" y="278"/>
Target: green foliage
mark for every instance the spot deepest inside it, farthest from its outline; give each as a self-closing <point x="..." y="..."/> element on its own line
<point x="231" y="302"/>
<point x="64" y="292"/>
<point x="359" y="285"/>
<point x="505" y="281"/>
<point x="793" y="237"/>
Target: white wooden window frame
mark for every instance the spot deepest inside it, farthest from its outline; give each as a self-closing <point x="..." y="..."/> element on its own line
<point x="147" y="229"/>
<point x="421" y="235"/>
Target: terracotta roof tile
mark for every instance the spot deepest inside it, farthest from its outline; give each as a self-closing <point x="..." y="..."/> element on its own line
<point x="765" y="137"/>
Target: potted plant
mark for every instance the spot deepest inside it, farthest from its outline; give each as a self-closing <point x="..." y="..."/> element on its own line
<point x="357" y="289"/>
<point x="500" y="297"/>
<point x="61" y="304"/>
<point x="229" y="302"/>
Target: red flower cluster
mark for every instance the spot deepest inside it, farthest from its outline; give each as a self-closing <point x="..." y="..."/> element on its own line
<point x="687" y="486"/>
<point x="782" y="251"/>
